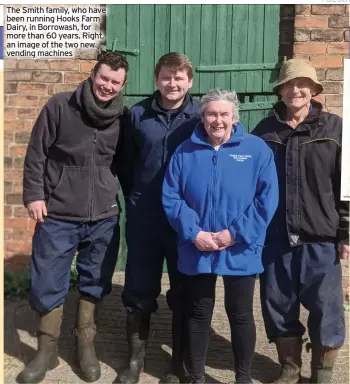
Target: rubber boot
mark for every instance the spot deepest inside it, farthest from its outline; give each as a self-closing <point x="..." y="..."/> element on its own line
<point x="86" y="330"/>
<point x="137" y="332"/>
<point x="322" y="363"/>
<point x="289" y="355"/>
<point x="46" y="357"/>
<point x="178" y="358"/>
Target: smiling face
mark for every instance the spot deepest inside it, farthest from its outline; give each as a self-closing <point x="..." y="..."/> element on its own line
<point x="173" y="85"/>
<point x="107" y="83"/>
<point x="297" y="93"/>
<point x="218" y="121"/>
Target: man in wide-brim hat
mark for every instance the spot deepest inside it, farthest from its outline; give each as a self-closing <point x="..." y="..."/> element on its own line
<point x="310" y="230"/>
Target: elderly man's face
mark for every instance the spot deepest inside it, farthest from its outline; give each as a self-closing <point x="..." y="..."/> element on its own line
<point x="218" y="121"/>
<point x="297" y="93"/>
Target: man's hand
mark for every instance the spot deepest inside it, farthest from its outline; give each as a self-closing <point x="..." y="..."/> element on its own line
<point x="344" y="251"/>
<point x="204" y="242"/>
<point x="37" y="210"/>
<point x="223" y="239"/>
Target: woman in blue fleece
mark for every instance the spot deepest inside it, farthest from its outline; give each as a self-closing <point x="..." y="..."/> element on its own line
<point x="220" y="193"/>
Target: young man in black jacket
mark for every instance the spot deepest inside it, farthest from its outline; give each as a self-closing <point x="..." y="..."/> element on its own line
<point x="70" y="189"/>
<point x="310" y="230"/>
<point x="156" y="126"/>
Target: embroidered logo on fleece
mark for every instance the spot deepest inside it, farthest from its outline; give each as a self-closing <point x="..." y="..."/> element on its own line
<point x="241" y="158"/>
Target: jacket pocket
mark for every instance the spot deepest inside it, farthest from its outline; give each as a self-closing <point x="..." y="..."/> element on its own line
<point x="105" y="192"/>
<point x="328" y="207"/>
<point x="70" y="197"/>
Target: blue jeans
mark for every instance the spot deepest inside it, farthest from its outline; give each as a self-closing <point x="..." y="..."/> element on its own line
<point x="309" y="274"/>
<point x="55" y="242"/>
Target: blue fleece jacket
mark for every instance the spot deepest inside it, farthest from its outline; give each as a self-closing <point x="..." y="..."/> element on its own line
<point x="234" y="188"/>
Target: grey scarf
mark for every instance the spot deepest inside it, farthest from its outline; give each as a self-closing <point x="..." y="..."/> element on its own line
<point x="101" y="117"/>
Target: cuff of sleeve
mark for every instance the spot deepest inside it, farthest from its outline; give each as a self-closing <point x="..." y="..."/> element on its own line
<point x="343" y="236"/>
<point x="193" y="233"/>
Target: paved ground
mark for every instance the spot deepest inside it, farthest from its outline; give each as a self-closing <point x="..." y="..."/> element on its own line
<point x="20" y="343"/>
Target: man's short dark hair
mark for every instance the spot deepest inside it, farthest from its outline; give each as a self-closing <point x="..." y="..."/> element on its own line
<point x="176" y="61"/>
<point x="114" y="60"/>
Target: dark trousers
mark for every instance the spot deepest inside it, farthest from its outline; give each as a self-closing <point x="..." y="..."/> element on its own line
<point x="148" y="246"/>
<point x="199" y="295"/>
<point x="310" y="275"/>
<point x="55" y="243"/>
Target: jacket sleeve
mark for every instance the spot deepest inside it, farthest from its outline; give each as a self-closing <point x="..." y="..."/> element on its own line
<point x="124" y="160"/>
<point x="42" y="137"/>
<point x="341" y="206"/>
<point x="183" y="219"/>
<point x="251" y="224"/>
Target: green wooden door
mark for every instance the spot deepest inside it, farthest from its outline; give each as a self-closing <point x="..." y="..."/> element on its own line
<point x="231" y="46"/>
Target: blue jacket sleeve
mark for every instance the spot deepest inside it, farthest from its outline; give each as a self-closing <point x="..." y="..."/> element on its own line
<point x="251" y="225"/>
<point x="182" y="218"/>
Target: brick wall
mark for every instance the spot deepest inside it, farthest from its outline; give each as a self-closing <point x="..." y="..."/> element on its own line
<point x="28" y="86"/>
<point x="321" y="35"/>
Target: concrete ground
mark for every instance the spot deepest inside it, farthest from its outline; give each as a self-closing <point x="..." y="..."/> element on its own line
<point x="20" y="343"/>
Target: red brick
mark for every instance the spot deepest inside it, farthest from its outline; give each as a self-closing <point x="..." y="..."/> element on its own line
<point x="328" y="9"/>
<point x="73" y="77"/>
<point x="21" y="248"/>
<point x="28" y="113"/>
<point x="301" y="56"/>
<point x="341" y="48"/>
<point x="332" y="87"/>
<point x="33" y="64"/>
<point x="8" y="186"/>
<point x="311" y="22"/>
<point x="311" y="48"/>
<point x="18" y="187"/>
<point x="302" y="35"/>
<point x="22" y="137"/>
<point x="55" y="88"/>
<point x="23" y="101"/>
<point x="10" y="64"/>
<point x="43" y="100"/>
<point x="320" y="99"/>
<point x="20" y="211"/>
<point x="18" y="75"/>
<point x="13" y="174"/>
<point x="334" y="101"/>
<point x="8" y="211"/>
<point x="18" y="150"/>
<point x="32" y="89"/>
<point x="47" y="77"/>
<point x="86" y="66"/>
<point x="65" y="65"/>
<point x="22" y="235"/>
<point x="8" y="234"/>
<point x="14" y="198"/>
<point x="336" y="110"/>
<point x="335" y="74"/>
<point x="10" y="87"/>
<point x="326" y="61"/>
<point x="302" y="9"/>
<point x="338" y="22"/>
<point x="18" y="163"/>
<point x="16" y="223"/>
<point x="14" y="125"/>
<point x="10" y="113"/>
<point x="326" y="35"/>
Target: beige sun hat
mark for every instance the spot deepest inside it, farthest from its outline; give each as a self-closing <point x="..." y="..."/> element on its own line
<point x="294" y="68"/>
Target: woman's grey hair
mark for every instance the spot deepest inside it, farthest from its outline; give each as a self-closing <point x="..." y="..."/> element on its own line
<point x="218" y="95"/>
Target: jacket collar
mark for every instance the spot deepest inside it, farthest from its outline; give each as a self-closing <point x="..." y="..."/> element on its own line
<point x="280" y="110"/>
<point x="199" y="135"/>
<point x="189" y="105"/>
